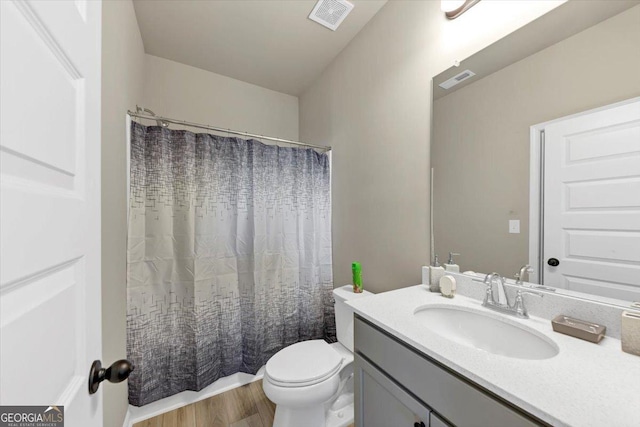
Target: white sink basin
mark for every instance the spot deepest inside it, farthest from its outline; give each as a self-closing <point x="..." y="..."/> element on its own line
<point x="486" y="331"/>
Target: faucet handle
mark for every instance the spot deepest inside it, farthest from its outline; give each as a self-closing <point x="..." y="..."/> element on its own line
<point x="519" y="276"/>
<point x="518" y="304"/>
<point x="488" y="279"/>
<point x="488" y="294"/>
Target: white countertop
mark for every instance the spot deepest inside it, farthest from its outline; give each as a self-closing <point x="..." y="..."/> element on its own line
<point x="586" y="384"/>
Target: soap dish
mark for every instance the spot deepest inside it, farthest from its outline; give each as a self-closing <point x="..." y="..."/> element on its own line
<point x="578" y="328"/>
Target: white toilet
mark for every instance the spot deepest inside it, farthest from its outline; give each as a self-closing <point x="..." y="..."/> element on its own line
<point x="311" y="382"/>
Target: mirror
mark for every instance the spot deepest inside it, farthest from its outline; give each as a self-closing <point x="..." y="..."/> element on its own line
<point x="505" y="157"/>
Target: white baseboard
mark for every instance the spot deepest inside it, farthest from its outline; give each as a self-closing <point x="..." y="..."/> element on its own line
<point x="136" y="414"/>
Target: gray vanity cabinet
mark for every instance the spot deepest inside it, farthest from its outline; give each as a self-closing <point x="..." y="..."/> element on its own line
<point x="436" y="421"/>
<point x="386" y="403"/>
<point x="398" y="386"/>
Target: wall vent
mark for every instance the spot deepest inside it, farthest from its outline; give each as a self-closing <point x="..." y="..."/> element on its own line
<point x="330" y="13"/>
<point x="466" y="74"/>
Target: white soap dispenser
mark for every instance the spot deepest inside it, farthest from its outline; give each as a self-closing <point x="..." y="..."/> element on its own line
<point x="435" y="273"/>
<point x="450" y="265"/>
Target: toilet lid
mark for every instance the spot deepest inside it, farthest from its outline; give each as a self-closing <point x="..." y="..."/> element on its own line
<point x="303" y="364"/>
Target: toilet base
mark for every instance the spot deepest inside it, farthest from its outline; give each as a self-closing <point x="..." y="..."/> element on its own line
<point x="314" y="417"/>
<point x="341" y="418"/>
<point x="305" y="416"/>
<point x="336" y="412"/>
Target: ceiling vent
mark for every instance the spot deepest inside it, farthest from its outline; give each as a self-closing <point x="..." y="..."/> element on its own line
<point x="466" y="74"/>
<point x="330" y="13"/>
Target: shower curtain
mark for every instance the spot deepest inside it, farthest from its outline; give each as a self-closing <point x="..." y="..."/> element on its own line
<point x="229" y="257"/>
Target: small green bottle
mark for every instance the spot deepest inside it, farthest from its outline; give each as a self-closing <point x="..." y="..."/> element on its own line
<point x="356" y="270"/>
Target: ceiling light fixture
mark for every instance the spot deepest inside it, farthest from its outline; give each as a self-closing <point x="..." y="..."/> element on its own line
<point x="454" y="8"/>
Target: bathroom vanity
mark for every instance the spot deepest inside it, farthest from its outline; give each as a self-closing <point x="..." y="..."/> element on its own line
<point x="409" y="371"/>
<point x="529" y="131"/>
<point x="391" y="374"/>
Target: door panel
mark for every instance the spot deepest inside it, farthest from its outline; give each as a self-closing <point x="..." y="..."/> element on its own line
<point x="611" y="246"/>
<point x="612" y="194"/>
<point x="383" y="409"/>
<point x="592" y="202"/>
<point x="50" y="328"/>
<point x="620" y="140"/>
<point x="436" y="421"/>
<point x="383" y="403"/>
<point x="58" y="335"/>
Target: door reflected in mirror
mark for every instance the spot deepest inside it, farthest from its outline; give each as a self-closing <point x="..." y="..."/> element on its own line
<point x="537" y="157"/>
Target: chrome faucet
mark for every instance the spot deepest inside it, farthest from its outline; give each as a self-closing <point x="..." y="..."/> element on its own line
<point x="502" y="295"/>
<point x="518" y="308"/>
<point x="520" y="276"/>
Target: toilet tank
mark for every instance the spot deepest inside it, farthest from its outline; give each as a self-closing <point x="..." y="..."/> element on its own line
<point x="344" y="314"/>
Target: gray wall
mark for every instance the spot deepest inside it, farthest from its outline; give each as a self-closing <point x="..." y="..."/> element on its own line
<point x="179" y="91"/>
<point x="131" y="77"/>
<point x="481" y="141"/>
<point x="372" y="104"/>
<point x="122" y="77"/>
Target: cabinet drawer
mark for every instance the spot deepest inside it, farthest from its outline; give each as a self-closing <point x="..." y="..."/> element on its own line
<point x="456" y="399"/>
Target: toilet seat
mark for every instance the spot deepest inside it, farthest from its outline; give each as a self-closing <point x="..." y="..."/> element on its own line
<point x="303" y="364"/>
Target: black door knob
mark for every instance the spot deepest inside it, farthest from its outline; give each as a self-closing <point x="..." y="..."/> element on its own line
<point x="553" y="262"/>
<point x="117" y="372"/>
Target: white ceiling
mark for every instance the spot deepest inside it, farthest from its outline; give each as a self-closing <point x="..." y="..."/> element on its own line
<point x="270" y="43"/>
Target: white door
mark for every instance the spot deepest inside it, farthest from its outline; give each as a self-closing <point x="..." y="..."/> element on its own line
<point x="50" y="205"/>
<point x="592" y="202"/>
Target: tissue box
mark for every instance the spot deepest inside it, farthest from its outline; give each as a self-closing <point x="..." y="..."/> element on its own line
<point x="578" y="328"/>
<point x="631" y="332"/>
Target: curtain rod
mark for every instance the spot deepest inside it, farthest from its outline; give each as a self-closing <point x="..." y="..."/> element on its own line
<point x="223" y="130"/>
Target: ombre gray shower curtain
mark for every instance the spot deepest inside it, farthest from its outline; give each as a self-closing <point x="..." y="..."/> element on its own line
<point x="229" y="257"/>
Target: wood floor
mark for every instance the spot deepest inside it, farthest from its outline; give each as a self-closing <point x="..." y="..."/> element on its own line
<point x="245" y="406"/>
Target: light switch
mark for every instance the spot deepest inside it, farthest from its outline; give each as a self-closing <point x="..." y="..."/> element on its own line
<point x="514" y="226"/>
